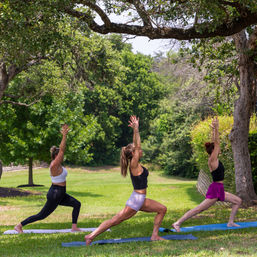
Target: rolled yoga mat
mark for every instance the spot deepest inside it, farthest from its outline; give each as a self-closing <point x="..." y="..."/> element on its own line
<point x="49" y="231"/>
<point x="212" y="227"/>
<point x="127" y="240"/>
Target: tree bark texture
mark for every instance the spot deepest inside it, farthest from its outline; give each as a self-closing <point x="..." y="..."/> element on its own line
<point x="244" y="107"/>
<point x="149" y="29"/>
<point x="31" y="171"/>
<point x="3" y="79"/>
<point x="1" y="169"/>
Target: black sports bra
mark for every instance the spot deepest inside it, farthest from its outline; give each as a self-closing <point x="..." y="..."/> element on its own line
<point x="140" y="182"/>
<point x="218" y="174"/>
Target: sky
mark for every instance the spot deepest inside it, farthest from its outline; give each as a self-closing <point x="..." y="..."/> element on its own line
<point x="150" y="47"/>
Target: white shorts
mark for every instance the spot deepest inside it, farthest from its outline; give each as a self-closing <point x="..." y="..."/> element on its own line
<point x="136" y="201"/>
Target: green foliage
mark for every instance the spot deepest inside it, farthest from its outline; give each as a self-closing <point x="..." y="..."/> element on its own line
<point x="217" y="58"/>
<point x="169" y="143"/>
<point x="186" y="102"/>
<point x="28" y="29"/>
<point x="30" y="132"/>
<point x="100" y="75"/>
<point x="131" y="89"/>
<point x="201" y="134"/>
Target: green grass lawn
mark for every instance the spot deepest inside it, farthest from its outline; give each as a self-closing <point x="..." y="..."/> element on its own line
<point x="103" y="192"/>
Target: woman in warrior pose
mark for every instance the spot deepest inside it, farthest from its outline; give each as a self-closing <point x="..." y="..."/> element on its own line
<point x="130" y="157"/>
<point x="57" y="193"/>
<point x="216" y="189"/>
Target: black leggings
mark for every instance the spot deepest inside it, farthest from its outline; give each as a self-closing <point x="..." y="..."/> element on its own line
<point x="56" y="196"/>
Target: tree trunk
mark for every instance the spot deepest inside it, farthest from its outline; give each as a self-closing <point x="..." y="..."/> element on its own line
<point x="242" y="113"/>
<point x="31" y="171"/>
<point x="1" y="169"/>
<point x="3" y="79"/>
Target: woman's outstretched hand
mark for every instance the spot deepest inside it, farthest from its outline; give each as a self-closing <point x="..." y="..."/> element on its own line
<point x="215" y="123"/>
<point x="134" y="122"/>
<point x="65" y="129"/>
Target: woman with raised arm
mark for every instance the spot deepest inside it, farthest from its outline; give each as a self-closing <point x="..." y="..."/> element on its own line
<point x="216" y="189"/>
<point x="129" y="158"/>
<point x="57" y="193"/>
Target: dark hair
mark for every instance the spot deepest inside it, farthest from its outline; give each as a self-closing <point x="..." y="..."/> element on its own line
<point x="209" y="146"/>
<point x="125" y="157"/>
<point x="54" y="151"/>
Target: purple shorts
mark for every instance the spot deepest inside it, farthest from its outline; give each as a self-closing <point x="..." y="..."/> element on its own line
<point x="216" y="190"/>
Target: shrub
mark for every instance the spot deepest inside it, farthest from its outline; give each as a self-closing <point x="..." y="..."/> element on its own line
<point x="253" y="154"/>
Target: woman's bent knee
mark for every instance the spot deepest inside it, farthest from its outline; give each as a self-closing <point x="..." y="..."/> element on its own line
<point x="239" y="201"/>
<point x="163" y="209"/>
<point x="78" y="204"/>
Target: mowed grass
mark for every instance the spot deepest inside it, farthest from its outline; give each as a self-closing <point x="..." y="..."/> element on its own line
<point x="103" y="192"/>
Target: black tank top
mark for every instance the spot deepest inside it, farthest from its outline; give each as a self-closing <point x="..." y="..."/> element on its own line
<point x="218" y="174"/>
<point x="140" y="182"/>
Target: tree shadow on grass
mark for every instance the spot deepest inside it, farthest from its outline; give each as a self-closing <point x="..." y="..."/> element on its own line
<point x="2" y="203"/>
<point x="30" y="185"/>
<point x="82" y="194"/>
<point x="194" y="195"/>
<point x="14" y="192"/>
<point x="7" y="192"/>
<point x="176" y="177"/>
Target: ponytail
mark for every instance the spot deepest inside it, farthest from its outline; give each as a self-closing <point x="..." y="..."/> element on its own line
<point x="54" y="151"/>
<point x="125" y="156"/>
<point x="209" y="147"/>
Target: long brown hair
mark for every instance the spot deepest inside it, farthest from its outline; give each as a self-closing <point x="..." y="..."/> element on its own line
<point x="125" y="157"/>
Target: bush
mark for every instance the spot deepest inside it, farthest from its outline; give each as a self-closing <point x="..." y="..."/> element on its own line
<point x="253" y="154"/>
<point x="169" y="143"/>
<point x="202" y="133"/>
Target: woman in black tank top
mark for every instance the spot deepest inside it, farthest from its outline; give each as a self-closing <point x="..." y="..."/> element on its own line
<point x="130" y="156"/>
<point x="216" y="189"/>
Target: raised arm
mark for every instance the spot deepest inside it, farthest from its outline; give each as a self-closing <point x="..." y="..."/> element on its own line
<point x="134" y="123"/>
<point x="56" y="163"/>
<point x="215" y="139"/>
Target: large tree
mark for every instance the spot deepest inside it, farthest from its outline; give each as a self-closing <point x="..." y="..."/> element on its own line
<point x="21" y="21"/>
<point x="29" y="33"/>
<point x="187" y="20"/>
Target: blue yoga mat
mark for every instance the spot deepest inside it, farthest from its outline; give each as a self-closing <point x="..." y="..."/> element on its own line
<point x="212" y="227"/>
<point x="126" y="240"/>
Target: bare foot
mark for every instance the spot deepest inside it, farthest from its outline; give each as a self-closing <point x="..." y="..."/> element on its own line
<point x="176" y="227"/>
<point x="232" y="224"/>
<point x="18" y="228"/>
<point x="88" y="239"/>
<point x="156" y="238"/>
<point x="75" y="229"/>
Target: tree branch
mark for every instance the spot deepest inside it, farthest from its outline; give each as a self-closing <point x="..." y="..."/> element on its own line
<point x="18" y="103"/>
<point x="12" y="96"/>
<point x="234" y="4"/>
<point x="97" y="9"/>
<point x="13" y="70"/>
<point x="142" y="12"/>
<point x="234" y="26"/>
